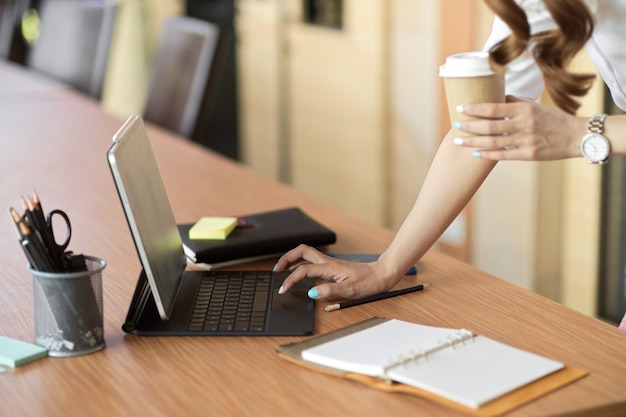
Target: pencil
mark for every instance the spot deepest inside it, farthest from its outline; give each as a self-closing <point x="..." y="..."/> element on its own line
<point x="33" y="254"/>
<point x="37" y="220"/>
<point x="375" y="297"/>
<point x="17" y="219"/>
<point x="21" y="232"/>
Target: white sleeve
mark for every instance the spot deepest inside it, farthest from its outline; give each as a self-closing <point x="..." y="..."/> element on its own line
<point x="606" y="47"/>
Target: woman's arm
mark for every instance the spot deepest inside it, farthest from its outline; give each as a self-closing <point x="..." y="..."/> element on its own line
<point x="452" y="180"/>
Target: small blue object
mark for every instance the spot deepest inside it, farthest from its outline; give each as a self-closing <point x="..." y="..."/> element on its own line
<point x="366" y="257"/>
<point x="313" y="293"/>
<point x="15" y="352"/>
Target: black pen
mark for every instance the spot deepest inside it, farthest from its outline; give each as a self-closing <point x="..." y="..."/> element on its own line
<point x="375" y="297"/>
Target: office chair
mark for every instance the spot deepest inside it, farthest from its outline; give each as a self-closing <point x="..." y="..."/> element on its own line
<point x="13" y="47"/>
<point x="179" y="74"/>
<point x="7" y="26"/>
<point x="74" y="42"/>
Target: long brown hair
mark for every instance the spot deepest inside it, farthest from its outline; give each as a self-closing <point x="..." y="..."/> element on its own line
<point x="553" y="50"/>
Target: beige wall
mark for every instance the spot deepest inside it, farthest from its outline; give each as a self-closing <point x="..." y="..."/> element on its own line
<point x="414" y="100"/>
<point x="260" y="60"/>
<point x="338" y="103"/>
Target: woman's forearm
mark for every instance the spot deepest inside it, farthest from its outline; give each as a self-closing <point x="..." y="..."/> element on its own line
<point x="453" y="178"/>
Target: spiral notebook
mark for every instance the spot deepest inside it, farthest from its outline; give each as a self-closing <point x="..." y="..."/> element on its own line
<point x="472" y="373"/>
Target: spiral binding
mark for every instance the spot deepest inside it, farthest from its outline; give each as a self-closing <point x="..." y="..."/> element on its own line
<point x="458" y="338"/>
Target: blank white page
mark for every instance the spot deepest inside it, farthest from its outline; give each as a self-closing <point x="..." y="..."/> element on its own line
<point x="475" y="372"/>
<point x="369" y="351"/>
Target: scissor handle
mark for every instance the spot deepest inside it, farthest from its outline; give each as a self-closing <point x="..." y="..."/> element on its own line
<point x="68" y="235"/>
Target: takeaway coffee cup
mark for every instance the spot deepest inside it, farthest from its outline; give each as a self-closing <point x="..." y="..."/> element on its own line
<point x="469" y="78"/>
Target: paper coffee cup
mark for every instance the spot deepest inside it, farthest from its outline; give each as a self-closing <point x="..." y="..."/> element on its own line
<point x="469" y="78"/>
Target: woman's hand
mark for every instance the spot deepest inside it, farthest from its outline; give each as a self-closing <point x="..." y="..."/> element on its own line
<point x="520" y="130"/>
<point x="345" y="279"/>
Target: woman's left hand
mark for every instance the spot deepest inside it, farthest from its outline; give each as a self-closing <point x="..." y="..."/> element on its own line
<point x="520" y="130"/>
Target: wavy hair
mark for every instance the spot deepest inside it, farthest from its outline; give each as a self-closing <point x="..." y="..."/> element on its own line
<point x="553" y="49"/>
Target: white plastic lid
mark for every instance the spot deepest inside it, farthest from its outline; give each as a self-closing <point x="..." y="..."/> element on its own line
<point x="467" y="64"/>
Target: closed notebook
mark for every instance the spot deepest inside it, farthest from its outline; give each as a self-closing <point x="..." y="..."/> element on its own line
<point x="267" y="233"/>
<point x="472" y="373"/>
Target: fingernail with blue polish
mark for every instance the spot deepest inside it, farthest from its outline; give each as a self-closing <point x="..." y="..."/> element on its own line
<point x="275" y="268"/>
<point x="458" y="141"/>
<point x="313" y="293"/>
<point x="457" y="125"/>
<point x="459" y="108"/>
<point x="476" y="154"/>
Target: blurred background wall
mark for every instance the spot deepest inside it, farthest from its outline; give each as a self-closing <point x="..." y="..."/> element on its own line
<point x="342" y="100"/>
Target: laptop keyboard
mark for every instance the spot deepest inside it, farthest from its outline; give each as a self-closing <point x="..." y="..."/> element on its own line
<point x="231" y="301"/>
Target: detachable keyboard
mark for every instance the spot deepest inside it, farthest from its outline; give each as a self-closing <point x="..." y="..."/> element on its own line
<point x="231" y="301"/>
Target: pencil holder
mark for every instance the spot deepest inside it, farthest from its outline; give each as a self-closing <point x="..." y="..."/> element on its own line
<point x="69" y="310"/>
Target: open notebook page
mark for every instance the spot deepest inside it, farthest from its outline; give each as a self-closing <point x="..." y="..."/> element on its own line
<point x="475" y="372"/>
<point x="369" y="351"/>
<point x="471" y="372"/>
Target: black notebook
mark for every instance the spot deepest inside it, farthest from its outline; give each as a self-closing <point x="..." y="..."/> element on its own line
<point x="269" y="233"/>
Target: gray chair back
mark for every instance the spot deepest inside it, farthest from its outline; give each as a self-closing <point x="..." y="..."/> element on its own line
<point x="74" y="42"/>
<point x="180" y="72"/>
<point x="12" y="44"/>
<point x="8" y="20"/>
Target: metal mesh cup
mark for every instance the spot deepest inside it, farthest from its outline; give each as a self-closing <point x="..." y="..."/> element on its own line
<point x="68" y="310"/>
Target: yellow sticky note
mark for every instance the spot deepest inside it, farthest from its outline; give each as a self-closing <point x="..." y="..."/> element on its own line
<point x="212" y="228"/>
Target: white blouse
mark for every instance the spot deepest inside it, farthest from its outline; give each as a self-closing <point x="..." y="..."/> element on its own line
<point x="606" y="48"/>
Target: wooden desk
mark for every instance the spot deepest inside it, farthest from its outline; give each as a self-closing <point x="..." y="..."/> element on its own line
<point x="58" y="148"/>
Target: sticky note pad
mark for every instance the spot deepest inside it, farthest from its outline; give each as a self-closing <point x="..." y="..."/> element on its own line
<point x="14" y="352"/>
<point x="212" y="228"/>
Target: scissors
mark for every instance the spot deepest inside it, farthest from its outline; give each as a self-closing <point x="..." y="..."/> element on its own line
<point x="59" y="248"/>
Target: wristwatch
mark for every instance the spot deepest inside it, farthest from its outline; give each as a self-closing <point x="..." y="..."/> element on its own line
<point x="594" y="145"/>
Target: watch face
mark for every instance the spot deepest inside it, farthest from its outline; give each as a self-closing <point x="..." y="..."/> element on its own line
<point x="595" y="147"/>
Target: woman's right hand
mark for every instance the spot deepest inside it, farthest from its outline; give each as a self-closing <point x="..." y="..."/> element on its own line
<point x="344" y="279"/>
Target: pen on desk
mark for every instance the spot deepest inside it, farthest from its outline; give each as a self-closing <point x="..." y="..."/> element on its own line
<point x="375" y="297"/>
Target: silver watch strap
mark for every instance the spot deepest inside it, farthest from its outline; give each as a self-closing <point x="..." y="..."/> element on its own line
<point x="596" y="123"/>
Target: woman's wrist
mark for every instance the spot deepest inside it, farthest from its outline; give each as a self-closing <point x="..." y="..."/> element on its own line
<point x="578" y="129"/>
<point x="389" y="270"/>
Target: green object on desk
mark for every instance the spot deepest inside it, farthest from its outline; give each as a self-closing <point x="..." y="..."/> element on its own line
<point x="15" y="352"/>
